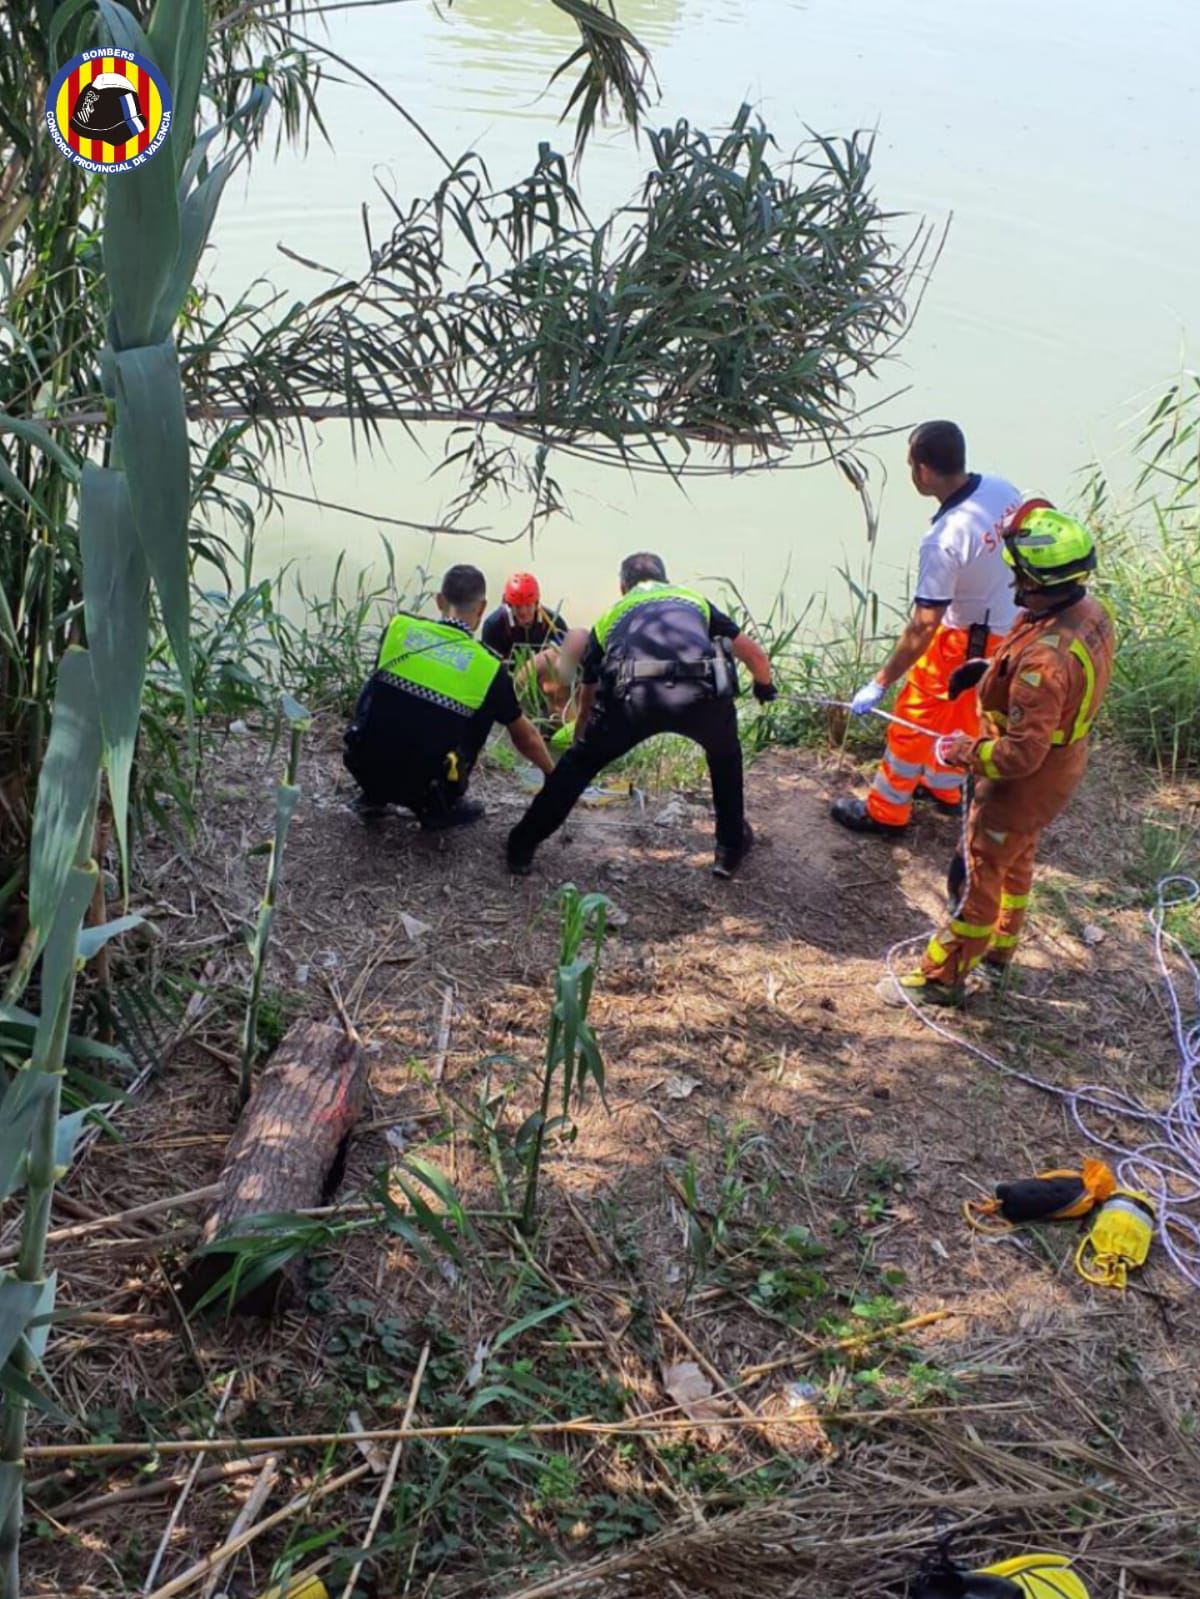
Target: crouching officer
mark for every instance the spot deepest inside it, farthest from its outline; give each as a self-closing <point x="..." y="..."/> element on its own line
<point x="660" y="661"/>
<point x="427" y="709"/>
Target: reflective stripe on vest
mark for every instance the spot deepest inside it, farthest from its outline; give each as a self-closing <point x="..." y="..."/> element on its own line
<point x="1083" y="723"/>
<point x="438" y="662"/>
<point x="647" y="594"/>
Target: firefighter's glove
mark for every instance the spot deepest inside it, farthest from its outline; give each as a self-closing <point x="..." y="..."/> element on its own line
<point x="867" y="698"/>
<point x="968" y="675"/>
<point x="764" y="693"/>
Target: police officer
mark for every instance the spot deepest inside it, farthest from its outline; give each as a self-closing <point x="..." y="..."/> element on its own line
<point x="427" y="709"/>
<point x="660" y="661"/>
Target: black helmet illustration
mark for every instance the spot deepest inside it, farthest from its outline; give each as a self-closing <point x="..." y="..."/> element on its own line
<point x="108" y="109"/>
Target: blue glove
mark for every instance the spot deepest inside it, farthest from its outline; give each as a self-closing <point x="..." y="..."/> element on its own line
<point x="867" y="698"/>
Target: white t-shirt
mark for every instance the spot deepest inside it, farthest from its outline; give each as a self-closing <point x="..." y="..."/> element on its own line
<point x="961" y="562"/>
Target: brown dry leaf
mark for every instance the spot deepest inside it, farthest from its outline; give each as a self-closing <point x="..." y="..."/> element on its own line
<point x="692" y="1391"/>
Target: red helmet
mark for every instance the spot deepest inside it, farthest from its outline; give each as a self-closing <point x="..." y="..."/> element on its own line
<point x="522" y="589"/>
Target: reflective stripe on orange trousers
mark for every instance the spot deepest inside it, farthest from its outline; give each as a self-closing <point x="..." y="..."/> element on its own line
<point x="989" y="922"/>
<point x="909" y="759"/>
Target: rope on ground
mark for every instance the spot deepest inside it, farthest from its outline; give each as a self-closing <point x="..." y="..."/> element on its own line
<point x="1165" y="1164"/>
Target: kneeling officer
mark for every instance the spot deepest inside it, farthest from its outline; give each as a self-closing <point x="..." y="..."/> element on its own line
<point x="427" y="709"/>
<point x="658" y="662"/>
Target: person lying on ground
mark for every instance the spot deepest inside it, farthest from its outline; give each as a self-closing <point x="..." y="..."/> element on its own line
<point x="660" y="661"/>
<point x="426" y="711"/>
<point x="963" y="607"/>
<point x="1038" y="700"/>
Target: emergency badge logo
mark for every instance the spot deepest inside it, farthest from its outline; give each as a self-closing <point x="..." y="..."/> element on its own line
<point x="109" y="110"/>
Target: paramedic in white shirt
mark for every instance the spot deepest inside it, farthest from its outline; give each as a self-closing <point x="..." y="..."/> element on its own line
<point x="963" y="606"/>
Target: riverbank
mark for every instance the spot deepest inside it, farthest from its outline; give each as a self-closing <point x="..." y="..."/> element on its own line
<point x="776" y="1182"/>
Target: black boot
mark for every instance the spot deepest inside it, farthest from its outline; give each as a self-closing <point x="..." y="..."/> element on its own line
<point x="460" y="814"/>
<point x="728" y="857"/>
<point x="849" y="811"/>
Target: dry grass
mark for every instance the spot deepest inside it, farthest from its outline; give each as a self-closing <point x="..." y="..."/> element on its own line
<point x="721" y="1009"/>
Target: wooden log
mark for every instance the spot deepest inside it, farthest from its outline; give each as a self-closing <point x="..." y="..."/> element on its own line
<point x="286" y="1155"/>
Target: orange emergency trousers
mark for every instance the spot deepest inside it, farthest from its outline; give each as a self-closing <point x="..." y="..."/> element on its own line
<point x="910" y="760"/>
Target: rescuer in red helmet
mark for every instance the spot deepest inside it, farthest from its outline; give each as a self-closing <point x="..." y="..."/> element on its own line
<point x="542" y="651"/>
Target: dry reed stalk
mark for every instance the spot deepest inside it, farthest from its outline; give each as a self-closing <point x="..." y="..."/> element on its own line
<point x="443" y="1037"/>
<point x="635" y="1427"/>
<point x="193" y="1478"/>
<point x="120" y="1218"/>
<point x="846" y="1345"/>
<point x="246" y="1517"/>
<point x="389" y="1476"/>
<point x="98" y="1504"/>
<point x="196" y="1573"/>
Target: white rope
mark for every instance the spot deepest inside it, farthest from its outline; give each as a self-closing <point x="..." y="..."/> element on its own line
<point x="1165" y="1164"/>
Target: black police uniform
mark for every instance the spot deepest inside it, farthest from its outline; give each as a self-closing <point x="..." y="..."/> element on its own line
<point x="659" y="666"/>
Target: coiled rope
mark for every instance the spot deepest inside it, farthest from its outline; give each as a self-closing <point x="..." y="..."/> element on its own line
<point x="1164" y="1162"/>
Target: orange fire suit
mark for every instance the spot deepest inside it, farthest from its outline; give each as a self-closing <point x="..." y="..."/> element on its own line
<point x="909" y="759"/>
<point x="1038" y="700"/>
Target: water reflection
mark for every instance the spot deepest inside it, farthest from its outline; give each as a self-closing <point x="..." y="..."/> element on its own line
<point x="502" y="44"/>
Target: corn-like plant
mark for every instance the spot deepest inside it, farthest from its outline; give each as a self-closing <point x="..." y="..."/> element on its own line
<point x="287" y="796"/>
<point x="572" y="1057"/>
<point x="133" y="532"/>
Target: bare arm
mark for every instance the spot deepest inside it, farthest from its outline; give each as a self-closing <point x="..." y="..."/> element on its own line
<point x="753" y="657"/>
<point x="527" y="741"/>
<point x="912" y="643"/>
<point x="587" y="698"/>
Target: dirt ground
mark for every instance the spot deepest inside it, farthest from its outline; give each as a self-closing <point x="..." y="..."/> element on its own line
<point x="742" y="1035"/>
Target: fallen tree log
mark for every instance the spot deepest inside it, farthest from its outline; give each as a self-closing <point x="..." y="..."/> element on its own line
<point x="286" y="1155"/>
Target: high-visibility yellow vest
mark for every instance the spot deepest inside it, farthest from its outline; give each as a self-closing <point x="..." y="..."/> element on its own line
<point x="648" y="593"/>
<point x="438" y="662"/>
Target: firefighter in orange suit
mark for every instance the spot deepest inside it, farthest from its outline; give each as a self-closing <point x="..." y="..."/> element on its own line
<point x="962" y="608"/>
<point x="1039" y="698"/>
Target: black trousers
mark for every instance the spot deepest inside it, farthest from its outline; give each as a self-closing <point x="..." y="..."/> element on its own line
<point x="617" y="726"/>
<point x="386" y="777"/>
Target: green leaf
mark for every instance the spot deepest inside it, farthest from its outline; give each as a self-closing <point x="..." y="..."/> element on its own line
<point x="19" y="1026"/>
<point x="287" y="797"/>
<point x="66" y="1136"/>
<point x="18" y="1301"/>
<point x="60" y="958"/>
<point x="153" y="441"/>
<point x="93" y="939"/>
<point x="534" y="1319"/>
<point x="293" y="710"/>
<point x="16" y="490"/>
<point x="123" y="30"/>
<point x="141" y="247"/>
<point x="196" y="215"/>
<point x="64" y="15"/>
<point x="116" y="593"/>
<point x="177" y="40"/>
<point x="23" y="1098"/>
<point x="8" y="631"/>
<point x="34" y="433"/>
<point x="66" y="793"/>
<point x="38" y="1332"/>
<point x="19" y="1386"/>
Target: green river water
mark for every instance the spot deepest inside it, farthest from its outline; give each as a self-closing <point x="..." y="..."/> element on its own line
<point x="1059" y="135"/>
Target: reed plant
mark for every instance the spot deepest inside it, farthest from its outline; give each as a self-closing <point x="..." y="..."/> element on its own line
<point x="1149" y="575"/>
<point x="572" y="1057"/>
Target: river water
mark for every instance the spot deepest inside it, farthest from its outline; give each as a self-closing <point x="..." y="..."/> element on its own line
<point x="1059" y="135"/>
